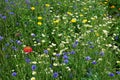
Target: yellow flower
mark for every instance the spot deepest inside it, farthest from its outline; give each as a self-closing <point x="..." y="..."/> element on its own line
<point x="92" y="18"/>
<point x="69" y="13"/>
<point x="97" y="34"/>
<point x="118" y="62"/>
<point x="112" y="6"/>
<point x="47" y="5"/>
<point x="39" y="18"/>
<point x="56" y="21"/>
<point x="73" y="20"/>
<point x="32" y="8"/>
<point x="105" y="2"/>
<point x="33" y="78"/>
<point x="39" y="23"/>
<point x="84" y="21"/>
<point x="81" y="15"/>
<point x="104" y="14"/>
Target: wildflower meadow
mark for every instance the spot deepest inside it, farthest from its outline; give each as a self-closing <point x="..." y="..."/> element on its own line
<point x="59" y="39"/>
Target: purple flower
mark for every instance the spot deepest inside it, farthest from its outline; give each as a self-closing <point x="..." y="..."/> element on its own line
<point x="111" y="74"/>
<point x="19" y="42"/>
<point x="33" y="67"/>
<point x="46" y="51"/>
<point x="118" y="72"/>
<point x="27" y="60"/>
<point x="72" y="52"/>
<point x="33" y="35"/>
<point x="58" y="55"/>
<point x="1" y="38"/>
<point x="89" y="42"/>
<point x="65" y="57"/>
<point x="27" y="1"/>
<point x="102" y="53"/>
<point x="88" y="58"/>
<point x="55" y="74"/>
<point x="6" y="0"/>
<point x="66" y="61"/>
<point x="14" y="48"/>
<point x="91" y="46"/>
<point x="94" y="62"/>
<point x="75" y="44"/>
<point x="11" y="13"/>
<point x="116" y="37"/>
<point x="4" y="17"/>
<point x="14" y="74"/>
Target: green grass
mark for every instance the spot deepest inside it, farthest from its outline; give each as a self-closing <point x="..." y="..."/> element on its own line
<point x="94" y="34"/>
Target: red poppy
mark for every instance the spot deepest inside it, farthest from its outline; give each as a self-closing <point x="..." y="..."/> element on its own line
<point x="27" y="49"/>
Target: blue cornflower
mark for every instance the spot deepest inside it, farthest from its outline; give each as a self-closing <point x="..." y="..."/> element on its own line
<point x="19" y="42"/>
<point x="11" y="13"/>
<point x="118" y="72"/>
<point x="91" y="46"/>
<point x="4" y="17"/>
<point x="58" y="55"/>
<point x="27" y="1"/>
<point x="27" y="60"/>
<point x="33" y="67"/>
<point x="88" y="58"/>
<point x="6" y="0"/>
<point x="94" y="62"/>
<point x="46" y="51"/>
<point x="14" y="74"/>
<point x="102" y="53"/>
<point x="72" y="52"/>
<point x="111" y="74"/>
<point x="14" y="48"/>
<point x="75" y="44"/>
<point x="65" y="57"/>
<point x="89" y="42"/>
<point x="116" y="37"/>
<point x="33" y="35"/>
<point x="66" y="61"/>
<point x="1" y="38"/>
<point x="55" y="74"/>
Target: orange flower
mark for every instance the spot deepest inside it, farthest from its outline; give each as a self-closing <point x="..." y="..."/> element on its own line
<point x="112" y="6"/>
<point x="118" y="8"/>
<point x="27" y="49"/>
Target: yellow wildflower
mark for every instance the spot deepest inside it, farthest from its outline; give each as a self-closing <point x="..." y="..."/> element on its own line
<point x="84" y="21"/>
<point x="39" y="23"/>
<point x="112" y="6"/>
<point x="105" y="2"/>
<point x="47" y="5"/>
<point x="32" y="8"/>
<point x="81" y="15"/>
<point x="73" y="20"/>
<point x="39" y="18"/>
<point x="92" y="18"/>
<point x="118" y="62"/>
<point x="33" y="78"/>
<point x="56" y="21"/>
<point x="69" y="13"/>
<point x="104" y="14"/>
<point x="97" y="34"/>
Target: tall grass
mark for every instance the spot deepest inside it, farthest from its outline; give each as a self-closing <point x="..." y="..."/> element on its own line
<point x="70" y="39"/>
